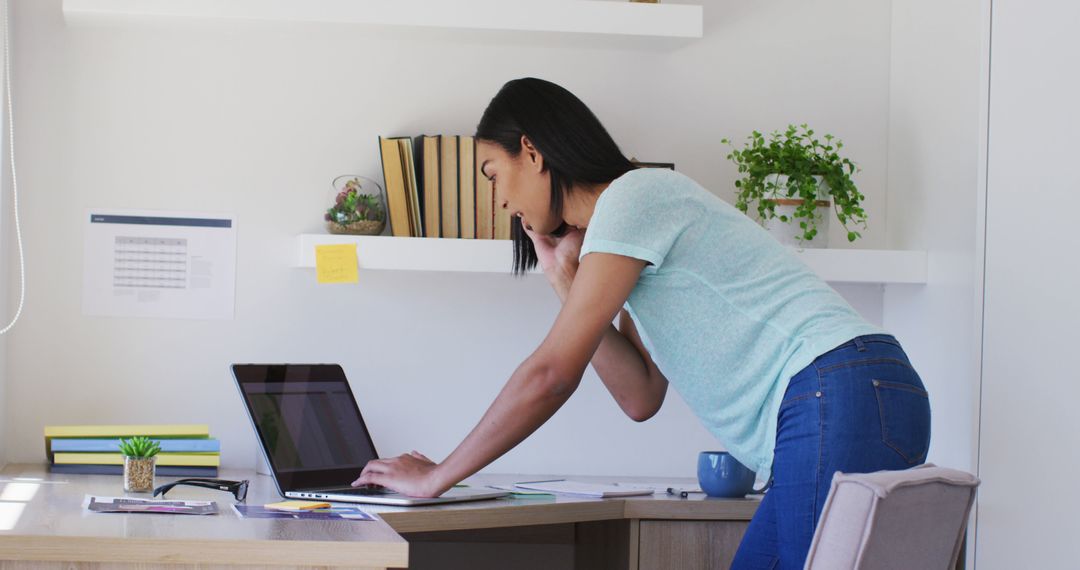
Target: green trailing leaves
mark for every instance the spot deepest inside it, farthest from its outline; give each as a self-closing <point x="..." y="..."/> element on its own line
<point x="804" y="159"/>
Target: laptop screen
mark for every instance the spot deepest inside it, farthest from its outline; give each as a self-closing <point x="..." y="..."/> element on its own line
<point x="307" y="422"/>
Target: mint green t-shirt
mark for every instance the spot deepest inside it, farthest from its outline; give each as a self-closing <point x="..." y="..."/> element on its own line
<point x="728" y="314"/>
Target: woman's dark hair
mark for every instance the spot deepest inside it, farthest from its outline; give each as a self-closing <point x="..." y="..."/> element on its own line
<point x="575" y="146"/>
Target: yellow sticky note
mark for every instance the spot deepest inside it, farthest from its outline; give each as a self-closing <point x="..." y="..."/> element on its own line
<point x="336" y="263"/>
<point x="297" y="505"/>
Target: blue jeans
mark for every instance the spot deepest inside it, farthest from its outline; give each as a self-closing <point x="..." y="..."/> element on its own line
<point x="858" y="408"/>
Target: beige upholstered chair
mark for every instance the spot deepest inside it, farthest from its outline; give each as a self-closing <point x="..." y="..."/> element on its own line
<point x="902" y="520"/>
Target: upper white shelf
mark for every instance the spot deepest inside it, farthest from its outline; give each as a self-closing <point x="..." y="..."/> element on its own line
<point x="494" y="256"/>
<point x="575" y="16"/>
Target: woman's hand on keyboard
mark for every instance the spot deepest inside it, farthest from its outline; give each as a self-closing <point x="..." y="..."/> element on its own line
<point x="411" y="474"/>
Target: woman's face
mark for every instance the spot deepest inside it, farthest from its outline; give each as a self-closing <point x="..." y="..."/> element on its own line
<point x="521" y="184"/>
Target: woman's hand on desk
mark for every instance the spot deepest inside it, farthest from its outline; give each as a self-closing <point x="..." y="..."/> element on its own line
<point x="410" y="474"/>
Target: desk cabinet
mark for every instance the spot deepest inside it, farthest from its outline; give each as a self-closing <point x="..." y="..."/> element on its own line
<point x="597" y="545"/>
<point x="688" y="545"/>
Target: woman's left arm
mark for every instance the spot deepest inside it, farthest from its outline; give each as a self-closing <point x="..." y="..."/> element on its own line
<point x="536" y="390"/>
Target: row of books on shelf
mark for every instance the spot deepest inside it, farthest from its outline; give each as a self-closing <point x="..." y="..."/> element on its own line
<point x="186" y="450"/>
<point x="434" y="188"/>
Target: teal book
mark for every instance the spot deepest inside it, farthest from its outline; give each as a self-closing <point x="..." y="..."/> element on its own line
<point x="82" y="445"/>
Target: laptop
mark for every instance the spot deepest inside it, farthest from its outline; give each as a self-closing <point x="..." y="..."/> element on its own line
<point x="314" y="438"/>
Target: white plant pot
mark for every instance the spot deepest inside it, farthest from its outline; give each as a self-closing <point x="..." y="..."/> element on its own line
<point x="789" y="233"/>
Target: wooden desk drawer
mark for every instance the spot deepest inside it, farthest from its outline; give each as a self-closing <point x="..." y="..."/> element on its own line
<point x="688" y="545"/>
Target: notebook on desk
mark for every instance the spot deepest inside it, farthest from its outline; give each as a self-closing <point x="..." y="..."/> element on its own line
<point x="313" y="437"/>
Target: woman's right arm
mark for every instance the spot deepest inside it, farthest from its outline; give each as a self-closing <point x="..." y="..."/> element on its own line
<point x="628" y="371"/>
<point x="621" y="360"/>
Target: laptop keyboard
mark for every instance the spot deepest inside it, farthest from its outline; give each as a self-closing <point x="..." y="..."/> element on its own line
<point x="362" y="491"/>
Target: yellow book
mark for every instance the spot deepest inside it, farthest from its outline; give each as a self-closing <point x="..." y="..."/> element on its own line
<point x="430" y="168"/>
<point x="394" y="178"/>
<point x="412" y="192"/>
<point x="467" y="186"/>
<point x="148" y="430"/>
<point x="170" y="459"/>
<point x="485" y="202"/>
<point x="448" y="185"/>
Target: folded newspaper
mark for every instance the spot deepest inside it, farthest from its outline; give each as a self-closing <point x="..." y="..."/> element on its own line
<point x="135" y="505"/>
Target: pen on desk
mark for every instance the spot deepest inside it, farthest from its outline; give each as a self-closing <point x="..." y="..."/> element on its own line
<point x="681" y="493"/>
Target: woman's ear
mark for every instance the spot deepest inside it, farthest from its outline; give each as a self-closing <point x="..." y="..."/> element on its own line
<point x="534" y="157"/>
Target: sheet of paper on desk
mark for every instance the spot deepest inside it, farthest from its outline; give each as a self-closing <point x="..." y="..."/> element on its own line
<point x="162" y="264"/>
<point x="157" y="506"/>
<point x="333" y="513"/>
<point x="582" y="489"/>
<point x="520" y="492"/>
<point x="660" y="488"/>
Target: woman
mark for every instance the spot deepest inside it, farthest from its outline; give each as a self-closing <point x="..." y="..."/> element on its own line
<point x="774" y="362"/>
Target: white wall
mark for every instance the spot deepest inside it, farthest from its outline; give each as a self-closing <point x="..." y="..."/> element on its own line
<point x="1028" y="460"/>
<point x="932" y="197"/>
<point x="257" y="119"/>
<point x="933" y="158"/>
<point x="6" y="239"/>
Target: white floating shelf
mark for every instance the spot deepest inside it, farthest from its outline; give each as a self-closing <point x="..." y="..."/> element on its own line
<point x="574" y="16"/>
<point x="415" y="254"/>
<point x="494" y="256"/>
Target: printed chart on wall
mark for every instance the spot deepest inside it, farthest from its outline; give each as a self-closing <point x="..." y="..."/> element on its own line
<point x="159" y="264"/>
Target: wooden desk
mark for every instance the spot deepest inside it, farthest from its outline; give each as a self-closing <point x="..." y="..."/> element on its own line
<point x="43" y="525"/>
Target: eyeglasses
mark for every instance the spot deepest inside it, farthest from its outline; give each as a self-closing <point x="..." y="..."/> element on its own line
<point x="237" y="488"/>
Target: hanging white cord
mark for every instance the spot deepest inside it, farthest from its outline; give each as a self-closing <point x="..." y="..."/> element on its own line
<point x="14" y="185"/>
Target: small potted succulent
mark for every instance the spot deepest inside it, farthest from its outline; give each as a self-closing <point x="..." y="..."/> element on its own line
<point x="140" y="456"/>
<point x="358" y="207"/>
<point x="796" y="178"/>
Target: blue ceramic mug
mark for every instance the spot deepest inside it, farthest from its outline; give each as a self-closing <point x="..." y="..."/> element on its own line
<point x="721" y="475"/>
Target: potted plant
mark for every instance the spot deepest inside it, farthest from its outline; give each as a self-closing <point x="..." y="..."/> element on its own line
<point x="793" y="177"/>
<point x="358" y="207"/>
<point x="140" y="456"/>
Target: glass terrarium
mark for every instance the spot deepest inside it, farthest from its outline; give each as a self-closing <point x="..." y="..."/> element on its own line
<point x="358" y="206"/>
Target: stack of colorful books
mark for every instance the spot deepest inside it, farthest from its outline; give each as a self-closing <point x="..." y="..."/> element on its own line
<point x="186" y="450"/>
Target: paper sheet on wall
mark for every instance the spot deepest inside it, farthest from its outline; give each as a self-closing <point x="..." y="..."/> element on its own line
<point x="159" y="264"/>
